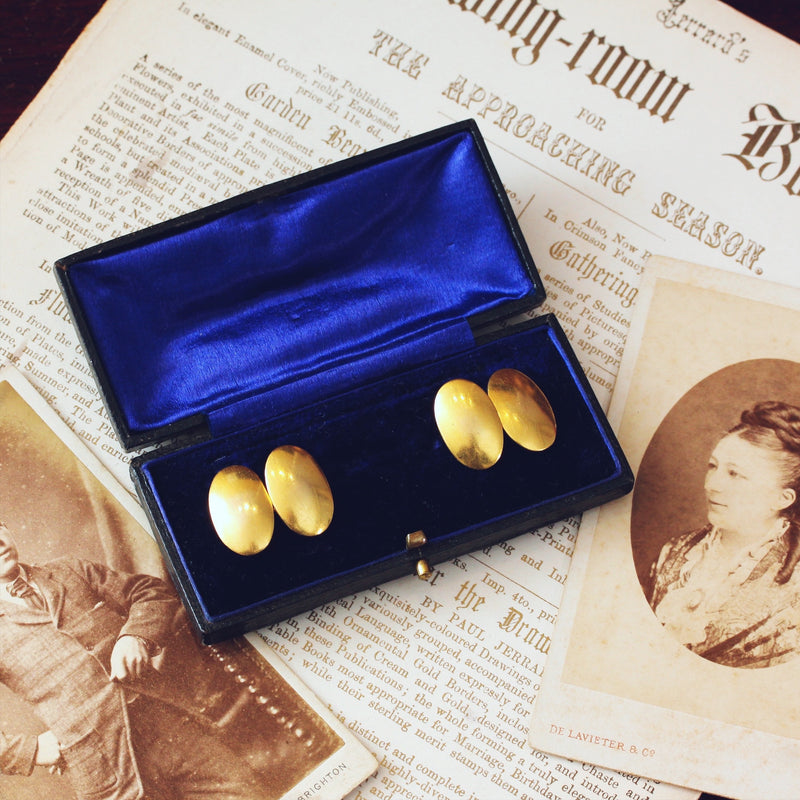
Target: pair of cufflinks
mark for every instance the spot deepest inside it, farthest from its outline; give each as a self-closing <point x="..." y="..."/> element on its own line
<point x="472" y="421"/>
<point x="243" y="508"/>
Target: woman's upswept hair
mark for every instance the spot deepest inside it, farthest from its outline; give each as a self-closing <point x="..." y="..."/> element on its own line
<point x="776" y="426"/>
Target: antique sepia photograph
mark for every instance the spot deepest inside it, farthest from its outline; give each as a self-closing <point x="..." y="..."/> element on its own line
<point x="105" y="691"/>
<point x="715" y="520"/>
<point x="677" y="641"/>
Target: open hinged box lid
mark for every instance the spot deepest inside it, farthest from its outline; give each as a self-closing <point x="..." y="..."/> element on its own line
<point x="325" y="311"/>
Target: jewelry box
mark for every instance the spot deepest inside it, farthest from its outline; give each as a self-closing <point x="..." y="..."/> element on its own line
<point x="325" y="312"/>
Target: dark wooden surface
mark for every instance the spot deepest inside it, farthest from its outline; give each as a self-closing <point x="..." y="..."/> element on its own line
<point x="35" y="35"/>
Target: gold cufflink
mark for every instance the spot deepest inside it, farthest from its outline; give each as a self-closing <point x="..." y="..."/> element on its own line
<point x="299" y="490"/>
<point x="525" y="413"/>
<point x="468" y="423"/>
<point x="241" y="510"/>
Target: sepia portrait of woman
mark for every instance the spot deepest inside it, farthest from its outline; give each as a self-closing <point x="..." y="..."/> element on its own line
<point x="729" y="590"/>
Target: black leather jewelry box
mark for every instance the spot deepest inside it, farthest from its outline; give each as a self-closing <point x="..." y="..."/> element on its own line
<point x="325" y="311"/>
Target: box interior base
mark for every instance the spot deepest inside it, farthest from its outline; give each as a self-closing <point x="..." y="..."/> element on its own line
<point x="390" y="474"/>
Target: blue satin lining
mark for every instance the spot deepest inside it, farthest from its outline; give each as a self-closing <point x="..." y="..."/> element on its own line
<point x="276" y="303"/>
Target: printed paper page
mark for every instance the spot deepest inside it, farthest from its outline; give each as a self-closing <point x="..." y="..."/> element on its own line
<point x="618" y="130"/>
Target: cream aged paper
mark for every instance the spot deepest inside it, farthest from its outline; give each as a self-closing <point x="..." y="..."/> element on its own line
<point x="59" y="504"/>
<point x="619" y="130"/>
<point x="621" y="687"/>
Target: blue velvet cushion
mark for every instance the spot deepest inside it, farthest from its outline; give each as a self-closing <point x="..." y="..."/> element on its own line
<point x="390" y="474"/>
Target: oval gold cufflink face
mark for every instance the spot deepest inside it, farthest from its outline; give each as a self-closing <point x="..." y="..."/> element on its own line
<point x="468" y="423"/>
<point x="524" y="411"/>
<point x="299" y="490"/>
<point x="241" y="510"/>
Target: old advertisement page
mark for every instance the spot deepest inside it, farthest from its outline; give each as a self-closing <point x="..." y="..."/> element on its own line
<point x="234" y="715"/>
<point x="619" y="130"/>
<point x="675" y="656"/>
